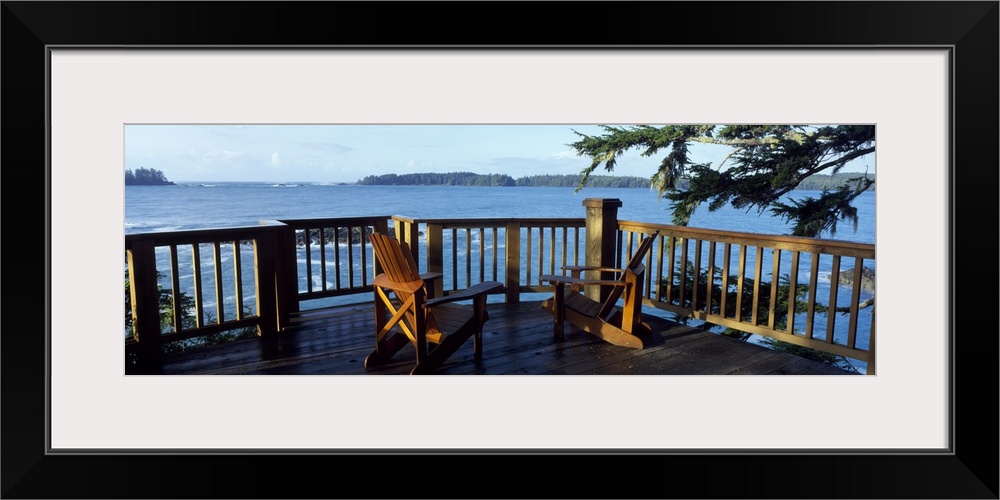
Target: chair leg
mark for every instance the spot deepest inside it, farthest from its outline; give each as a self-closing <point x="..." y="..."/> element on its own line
<point x="477" y="343"/>
<point x="385" y="349"/>
<point x="558" y="311"/>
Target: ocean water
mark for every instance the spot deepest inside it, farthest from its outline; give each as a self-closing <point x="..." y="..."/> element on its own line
<point x="207" y="205"/>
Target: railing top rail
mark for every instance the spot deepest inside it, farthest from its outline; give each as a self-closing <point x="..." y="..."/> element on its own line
<point x="204" y="234"/>
<point x="718" y="234"/>
<point x="496" y="221"/>
<point x="340" y="221"/>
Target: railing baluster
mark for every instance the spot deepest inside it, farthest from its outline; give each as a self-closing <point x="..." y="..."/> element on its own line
<point x="565" y="245"/>
<point x="739" y="283"/>
<point x="527" y="265"/>
<point x="684" y="262"/>
<point x="626" y="253"/>
<point x="649" y="274"/>
<point x="198" y="293"/>
<point x="219" y="293"/>
<point x="175" y="289"/>
<point x="496" y="249"/>
<point x="307" y="238"/>
<point x="363" y="245"/>
<point x="775" y="269"/>
<point x="541" y="251"/>
<point x="811" y="304"/>
<point x="831" y="315"/>
<point x="852" y="326"/>
<point x="792" y="290"/>
<point x="659" y="269"/>
<point x="576" y="248"/>
<point x="482" y="254"/>
<point x="726" y="256"/>
<point x="322" y="258"/>
<point x="697" y="275"/>
<point x="238" y="277"/>
<point x="350" y="257"/>
<point x="336" y="259"/>
<point x="758" y="268"/>
<point x="710" y="277"/>
<point x="618" y="255"/>
<point x="670" y="271"/>
<point x="468" y="257"/>
<point x="552" y="250"/>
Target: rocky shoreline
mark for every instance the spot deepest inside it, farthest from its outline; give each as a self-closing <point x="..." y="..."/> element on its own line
<point x="867" y="278"/>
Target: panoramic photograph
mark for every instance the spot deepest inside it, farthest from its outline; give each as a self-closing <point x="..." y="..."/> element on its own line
<point x="535" y="249"/>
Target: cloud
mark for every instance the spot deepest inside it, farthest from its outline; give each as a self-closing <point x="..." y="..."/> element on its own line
<point x="566" y="155"/>
<point x="329" y="147"/>
<point x="222" y="155"/>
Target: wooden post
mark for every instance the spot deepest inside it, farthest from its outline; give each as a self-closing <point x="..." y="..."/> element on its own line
<point x="602" y="231"/>
<point x="408" y="231"/>
<point x="512" y="278"/>
<point x="435" y="255"/>
<point x="264" y="277"/>
<point x="382" y="227"/>
<point x="285" y="274"/>
<point x="145" y="304"/>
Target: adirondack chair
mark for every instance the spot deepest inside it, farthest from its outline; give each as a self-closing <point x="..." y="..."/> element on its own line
<point x="605" y="320"/>
<point x="403" y="300"/>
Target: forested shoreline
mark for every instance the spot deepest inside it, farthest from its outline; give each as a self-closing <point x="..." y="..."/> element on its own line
<point x="146" y="177"/>
<point x="473" y="179"/>
<point x="816" y="182"/>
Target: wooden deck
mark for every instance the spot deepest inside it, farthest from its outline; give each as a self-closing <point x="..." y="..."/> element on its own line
<point x="517" y="341"/>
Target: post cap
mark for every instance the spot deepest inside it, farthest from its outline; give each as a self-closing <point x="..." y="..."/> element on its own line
<point x="602" y="203"/>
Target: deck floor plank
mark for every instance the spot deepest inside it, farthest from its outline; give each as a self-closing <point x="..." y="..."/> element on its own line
<point x="518" y="340"/>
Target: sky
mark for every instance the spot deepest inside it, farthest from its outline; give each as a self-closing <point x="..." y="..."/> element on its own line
<point x="347" y="153"/>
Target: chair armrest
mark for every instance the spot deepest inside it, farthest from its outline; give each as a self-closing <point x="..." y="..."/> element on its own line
<point x="431" y="276"/>
<point x="383" y="281"/>
<point x="474" y="291"/>
<point x="593" y="268"/>
<point x="555" y="278"/>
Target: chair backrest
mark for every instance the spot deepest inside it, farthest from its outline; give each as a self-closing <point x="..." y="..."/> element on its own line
<point x="398" y="265"/>
<point x="635" y="266"/>
<point x="395" y="258"/>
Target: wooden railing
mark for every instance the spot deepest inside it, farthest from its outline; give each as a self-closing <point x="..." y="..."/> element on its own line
<point x="744" y="281"/>
<point x="782" y="287"/>
<point x="322" y="258"/>
<point x="236" y="261"/>
<point x="513" y="251"/>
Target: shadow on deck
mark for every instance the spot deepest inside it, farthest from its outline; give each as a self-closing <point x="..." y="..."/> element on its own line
<point x="517" y="341"/>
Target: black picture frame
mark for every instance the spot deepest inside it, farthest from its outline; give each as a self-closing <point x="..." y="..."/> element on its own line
<point x="969" y="28"/>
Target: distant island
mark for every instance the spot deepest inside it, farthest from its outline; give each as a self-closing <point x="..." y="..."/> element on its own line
<point x="472" y="179"/>
<point x="146" y="177"/>
<point x="816" y="182"/>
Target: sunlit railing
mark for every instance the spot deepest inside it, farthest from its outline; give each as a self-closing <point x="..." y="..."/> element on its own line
<point x="322" y="258"/>
<point x="782" y="287"/>
<point x="515" y="252"/>
<point x="211" y="279"/>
